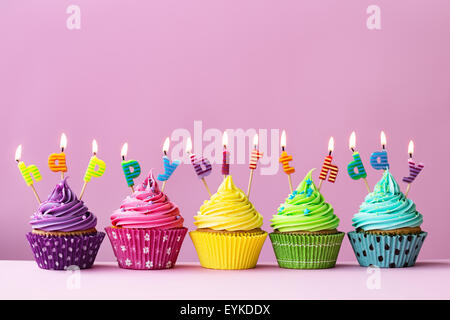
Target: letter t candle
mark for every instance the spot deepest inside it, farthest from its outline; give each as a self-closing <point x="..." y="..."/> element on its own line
<point x="285" y="159"/>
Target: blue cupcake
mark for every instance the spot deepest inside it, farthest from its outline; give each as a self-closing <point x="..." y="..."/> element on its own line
<point x="388" y="233"/>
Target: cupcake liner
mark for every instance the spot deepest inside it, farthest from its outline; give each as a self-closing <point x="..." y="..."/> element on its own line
<point x="386" y="251"/>
<point x="228" y="250"/>
<point x="61" y="252"/>
<point x="306" y="251"/>
<point x="146" y="249"/>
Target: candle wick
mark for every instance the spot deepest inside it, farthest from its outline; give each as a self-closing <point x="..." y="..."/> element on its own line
<point x="329" y="153"/>
<point x="123" y="158"/>
<point x="62" y="149"/>
<point x="410" y="155"/>
<point x="384" y="147"/>
<point x="165" y="153"/>
<point x="353" y="149"/>
<point x="282" y="148"/>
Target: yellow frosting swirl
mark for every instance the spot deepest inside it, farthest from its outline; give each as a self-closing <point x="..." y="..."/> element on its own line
<point x="228" y="209"/>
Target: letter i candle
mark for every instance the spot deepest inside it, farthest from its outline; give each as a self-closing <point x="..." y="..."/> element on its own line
<point x="360" y="172"/>
<point x="285" y="159"/>
<point x="414" y="169"/>
<point x="29" y="172"/>
<point x="169" y="167"/>
<point x="253" y="162"/>
<point x="202" y="166"/>
<point x="225" y="156"/>
<point x="328" y="169"/>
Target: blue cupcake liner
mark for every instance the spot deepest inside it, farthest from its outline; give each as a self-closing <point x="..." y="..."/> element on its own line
<point x="386" y="251"/>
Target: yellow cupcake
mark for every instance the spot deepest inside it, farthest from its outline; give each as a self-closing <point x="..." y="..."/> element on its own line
<point x="228" y="234"/>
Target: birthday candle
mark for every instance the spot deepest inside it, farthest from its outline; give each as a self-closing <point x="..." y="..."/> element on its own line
<point x="360" y="172"/>
<point x="327" y="166"/>
<point x="57" y="161"/>
<point x="225" y="155"/>
<point x="29" y="172"/>
<point x="285" y="159"/>
<point x="414" y="169"/>
<point x="255" y="156"/>
<point x="379" y="160"/>
<point x="131" y="168"/>
<point x="201" y="165"/>
<point x="169" y="167"/>
<point x="96" y="167"/>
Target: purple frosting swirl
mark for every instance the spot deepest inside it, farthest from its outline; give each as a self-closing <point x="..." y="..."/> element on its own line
<point x="62" y="211"/>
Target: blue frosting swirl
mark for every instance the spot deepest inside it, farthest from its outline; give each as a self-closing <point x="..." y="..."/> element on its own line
<point x="387" y="208"/>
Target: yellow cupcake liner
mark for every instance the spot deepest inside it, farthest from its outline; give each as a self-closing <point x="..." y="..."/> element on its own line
<point x="228" y="251"/>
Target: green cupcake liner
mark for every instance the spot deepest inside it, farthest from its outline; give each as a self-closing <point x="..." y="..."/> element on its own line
<point x="305" y="251"/>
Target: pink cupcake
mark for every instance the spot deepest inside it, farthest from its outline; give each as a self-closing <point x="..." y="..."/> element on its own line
<point x="147" y="231"/>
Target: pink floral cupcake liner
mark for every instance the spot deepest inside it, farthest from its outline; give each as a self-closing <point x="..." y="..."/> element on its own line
<point x="146" y="249"/>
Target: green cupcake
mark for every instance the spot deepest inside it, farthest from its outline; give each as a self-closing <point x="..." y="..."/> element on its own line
<point x="305" y="230"/>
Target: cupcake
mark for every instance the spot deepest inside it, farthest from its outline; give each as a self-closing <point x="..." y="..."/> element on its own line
<point x="228" y="234"/>
<point x="64" y="233"/>
<point x="147" y="230"/>
<point x="305" y="230"/>
<point x="388" y="233"/>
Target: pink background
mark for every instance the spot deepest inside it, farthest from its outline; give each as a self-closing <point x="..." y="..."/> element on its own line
<point x="139" y="69"/>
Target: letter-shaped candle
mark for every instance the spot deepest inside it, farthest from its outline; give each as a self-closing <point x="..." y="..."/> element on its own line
<point x="96" y="167"/>
<point x="360" y="172"/>
<point x="169" y="167"/>
<point x="57" y="161"/>
<point x="414" y="169"/>
<point x="131" y="168"/>
<point x="28" y="172"/>
<point x="225" y="156"/>
<point x="253" y="162"/>
<point x="285" y="159"/>
<point x="379" y="159"/>
<point x="198" y="163"/>
<point x="328" y="167"/>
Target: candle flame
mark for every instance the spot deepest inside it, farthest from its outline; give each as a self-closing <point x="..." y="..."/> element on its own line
<point x="411" y="148"/>
<point x="383" y="139"/>
<point x="18" y="153"/>
<point x="352" y="141"/>
<point x="188" y="145"/>
<point x="94" y="147"/>
<point x="331" y="144"/>
<point x="124" y="151"/>
<point x="283" y="139"/>
<point x="255" y="141"/>
<point x="63" y="142"/>
<point x="166" y="145"/>
<point x="225" y="139"/>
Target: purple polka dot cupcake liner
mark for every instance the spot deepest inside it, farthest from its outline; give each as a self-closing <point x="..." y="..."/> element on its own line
<point x="62" y="252"/>
<point x="386" y="251"/>
<point x="146" y="249"/>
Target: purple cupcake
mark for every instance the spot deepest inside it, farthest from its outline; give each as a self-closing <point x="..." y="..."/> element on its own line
<point x="63" y="231"/>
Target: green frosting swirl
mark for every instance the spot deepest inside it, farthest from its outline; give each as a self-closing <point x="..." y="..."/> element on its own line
<point x="387" y="208"/>
<point x="305" y="210"/>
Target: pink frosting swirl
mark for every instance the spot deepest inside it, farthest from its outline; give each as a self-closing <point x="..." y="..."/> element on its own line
<point x="147" y="208"/>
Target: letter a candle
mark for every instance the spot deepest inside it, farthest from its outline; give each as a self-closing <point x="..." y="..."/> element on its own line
<point x="96" y="167"/>
<point x="202" y="166"/>
<point x="57" y="161"/>
<point x="357" y="164"/>
<point x="253" y="162"/>
<point x="414" y="169"/>
<point x="28" y="172"/>
<point x="379" y="160"/>
<point x="328" y="167"/>
<point x="285" y="159"/>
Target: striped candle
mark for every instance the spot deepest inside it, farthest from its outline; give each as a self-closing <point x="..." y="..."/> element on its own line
<point x="356" y="163"/>
<point x="256" y="155"/>
<point x="414" y="170"/>
<point x="328" y="168"/>
<point x="199" y="163"/>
